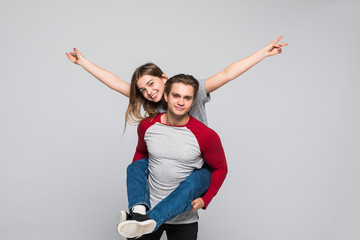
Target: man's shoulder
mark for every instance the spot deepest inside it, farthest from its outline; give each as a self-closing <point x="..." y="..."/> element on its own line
<point x="207" y="138"/>
<point x="200" y="128"/>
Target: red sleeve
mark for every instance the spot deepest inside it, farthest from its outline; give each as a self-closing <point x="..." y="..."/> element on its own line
<point x="214" y="155"/>
<point x="141" y="149"/>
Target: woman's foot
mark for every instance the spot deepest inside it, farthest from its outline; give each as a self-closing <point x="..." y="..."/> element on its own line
<point x="136" y="225"/>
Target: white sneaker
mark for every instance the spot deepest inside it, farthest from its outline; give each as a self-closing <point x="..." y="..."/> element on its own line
<point x="123" y="218"/>
<point x="136" y="226"/>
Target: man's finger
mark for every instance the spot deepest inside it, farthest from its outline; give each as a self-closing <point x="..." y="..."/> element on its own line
<point x="195" y="207"/>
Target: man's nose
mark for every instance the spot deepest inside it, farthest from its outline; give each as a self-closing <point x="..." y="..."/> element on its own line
<point x="181" y="101"/>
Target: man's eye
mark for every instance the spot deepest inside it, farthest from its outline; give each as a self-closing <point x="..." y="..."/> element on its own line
<point x="150" y="84"/>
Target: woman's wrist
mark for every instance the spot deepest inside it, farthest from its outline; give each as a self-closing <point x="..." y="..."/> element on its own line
<point x="83" y="62"/>
<point x="262" y="53"/>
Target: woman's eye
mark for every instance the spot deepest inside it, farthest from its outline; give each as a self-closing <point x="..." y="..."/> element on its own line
<point x="150" y="84"/>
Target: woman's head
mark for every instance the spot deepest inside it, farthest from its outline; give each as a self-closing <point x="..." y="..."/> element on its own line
<point x="148" y="81"/>
<point x="146" y="89"/>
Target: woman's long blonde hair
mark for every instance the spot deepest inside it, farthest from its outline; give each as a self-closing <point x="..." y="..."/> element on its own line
<point x="137" y="100"/>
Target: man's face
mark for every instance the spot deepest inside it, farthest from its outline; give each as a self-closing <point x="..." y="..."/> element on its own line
<point x="180" y="99"/>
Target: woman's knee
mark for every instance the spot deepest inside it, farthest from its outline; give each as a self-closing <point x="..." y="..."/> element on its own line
<point x="139" y="165"/>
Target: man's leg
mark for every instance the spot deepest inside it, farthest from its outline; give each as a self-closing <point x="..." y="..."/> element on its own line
<point x="181" y="231"/>
<point x="154" y="235"/>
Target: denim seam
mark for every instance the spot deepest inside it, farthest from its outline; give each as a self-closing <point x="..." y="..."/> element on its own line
<point x="139" y="203"/>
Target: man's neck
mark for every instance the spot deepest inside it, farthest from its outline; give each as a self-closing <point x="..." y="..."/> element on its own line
<point x="171" y="119"/>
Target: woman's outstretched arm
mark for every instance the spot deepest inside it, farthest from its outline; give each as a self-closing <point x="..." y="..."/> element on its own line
<point x="106" y="77"/>
<point x="237" y="68"/>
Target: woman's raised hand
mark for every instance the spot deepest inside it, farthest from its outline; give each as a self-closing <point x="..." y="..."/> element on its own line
<point x="75" y="56"/>
<point x="274" y="47"/>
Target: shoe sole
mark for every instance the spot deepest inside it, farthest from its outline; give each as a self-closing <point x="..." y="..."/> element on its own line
<point x="132" y="228"/>
<point x="123" y="217"/>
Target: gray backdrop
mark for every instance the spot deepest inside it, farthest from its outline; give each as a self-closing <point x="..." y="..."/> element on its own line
<point x="289" y="126"/>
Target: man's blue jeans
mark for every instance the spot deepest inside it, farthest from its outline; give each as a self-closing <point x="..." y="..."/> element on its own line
<point x="194" y="186"/>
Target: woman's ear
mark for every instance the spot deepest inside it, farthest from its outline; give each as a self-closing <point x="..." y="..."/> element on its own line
<point x="164" y="77"/>
<point x="165" y="97"/>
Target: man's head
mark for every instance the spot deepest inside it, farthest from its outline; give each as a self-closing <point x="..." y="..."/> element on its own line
<point x="180" y="93"/>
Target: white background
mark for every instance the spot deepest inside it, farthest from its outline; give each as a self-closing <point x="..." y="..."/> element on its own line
<point x="289" y="126"/>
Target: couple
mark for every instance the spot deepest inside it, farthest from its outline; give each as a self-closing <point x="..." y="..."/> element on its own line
<point x="146" y="90"/>
<point x="175" y="145"/>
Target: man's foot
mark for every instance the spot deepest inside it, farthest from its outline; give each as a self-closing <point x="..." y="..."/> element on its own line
<point x="136" y="225"/>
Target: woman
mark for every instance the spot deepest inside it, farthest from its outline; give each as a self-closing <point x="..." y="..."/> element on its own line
<point x="146" y="90"/>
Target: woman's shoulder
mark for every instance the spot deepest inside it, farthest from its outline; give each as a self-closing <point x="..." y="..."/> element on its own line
<point x="150" y="120"/>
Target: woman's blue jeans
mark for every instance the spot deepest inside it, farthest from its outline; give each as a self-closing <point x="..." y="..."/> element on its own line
<point x="194" y="186"/>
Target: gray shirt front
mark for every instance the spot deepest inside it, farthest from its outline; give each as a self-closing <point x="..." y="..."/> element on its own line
<point x="174" y="153"/>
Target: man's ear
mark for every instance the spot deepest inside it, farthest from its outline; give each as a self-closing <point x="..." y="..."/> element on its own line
<point x="166" y="97"/>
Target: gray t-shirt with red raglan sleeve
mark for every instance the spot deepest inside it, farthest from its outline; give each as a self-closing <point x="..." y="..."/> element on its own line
<point x="181" y="162"/>
<point x="173" y="153"/>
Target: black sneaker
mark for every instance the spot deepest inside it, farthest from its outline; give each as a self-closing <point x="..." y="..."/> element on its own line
<point x="136" y="225"/>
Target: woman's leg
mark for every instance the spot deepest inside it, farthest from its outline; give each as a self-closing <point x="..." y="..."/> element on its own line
<point x="181" y="231"/>
<point x="194" y="186"/>
<point x="137" y="185"/>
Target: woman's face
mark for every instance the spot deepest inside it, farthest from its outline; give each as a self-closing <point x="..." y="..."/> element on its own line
<point x="152" y="88"/>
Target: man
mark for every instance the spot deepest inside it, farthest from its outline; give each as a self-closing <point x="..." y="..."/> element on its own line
<point x="176" y="144"/>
